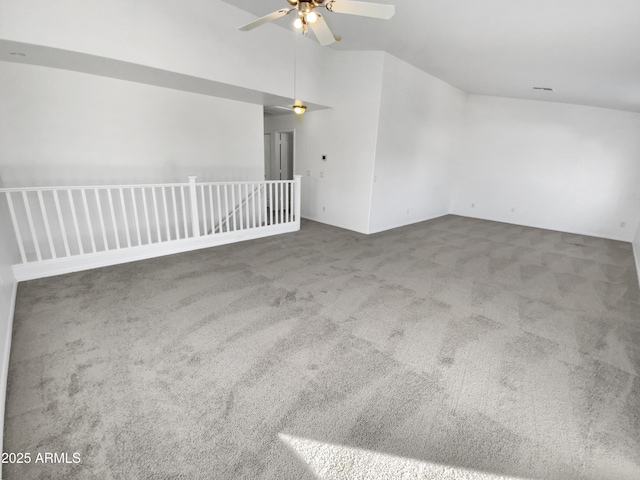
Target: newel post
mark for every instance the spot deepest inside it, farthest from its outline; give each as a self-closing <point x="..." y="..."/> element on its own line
<point x="193" y="197"/>
<point x="298" y="197"/>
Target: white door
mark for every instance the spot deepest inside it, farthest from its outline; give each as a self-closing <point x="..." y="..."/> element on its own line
<point x="286" y="155"/>
<point x="267" y="156"/>
<point x="278" y="166"/>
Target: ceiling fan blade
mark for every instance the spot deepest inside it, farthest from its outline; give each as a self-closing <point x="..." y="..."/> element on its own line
<point x="364" y="9"/>
<point x="265" y="19"/>
<point x="322" y="32"/>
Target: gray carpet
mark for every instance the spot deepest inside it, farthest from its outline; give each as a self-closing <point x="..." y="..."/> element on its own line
<point x="446" y="349"/>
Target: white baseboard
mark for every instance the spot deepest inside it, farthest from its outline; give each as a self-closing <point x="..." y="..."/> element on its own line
<point x="333" y="224"/>
<point x="50" y="268"/>
<point x="4" y="368"/>
<point x="406" y="224"/>
<point x="584" y="233"/>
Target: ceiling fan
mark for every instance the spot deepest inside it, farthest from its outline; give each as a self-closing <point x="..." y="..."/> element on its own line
<point x="307" y="17"/>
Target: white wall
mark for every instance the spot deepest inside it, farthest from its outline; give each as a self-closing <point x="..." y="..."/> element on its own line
<point x="7" y="301"/>
<point x="337" y="191"/>
<point x="61" y="127"/>
<point x="562" y="167"/>
<point x="420" y="120"/>
<point x="194" y="37"/>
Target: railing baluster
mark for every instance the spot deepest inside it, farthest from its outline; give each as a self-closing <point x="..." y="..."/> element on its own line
<point x="271" y="209"/>
<point x="112" y="210"/>
<point x="246" y="205"/>
<point x="272" y="199"/>
<point x="193" y="208"/>
<point x="166" y="213"/>
<point x="101" y="217"/>
<point x="31" y="227"/>
<point x="249" y="195"/>
<point x="204" y="210"/>
<point x="45" y="218"/>
<point x="135" y="214"/>
<point x="75" y="221"/>
<point x="265" y="204"/>
<point x="292" y="198"/>
<point x="185" y="222"/>
<point x="239" y="207"/>
<point x="213" y="220"/>
<point x="279" y="203"/>
<point x="289" y="200"/>
<point x="16" y="229"/>
<point x="285" y="187"/>
<point x="155" y="213"/>
<point x="219" y="209"/>
<point x="126" y="219"/>
<point x="286" y="202"/>
<point x="145" y="209"/>
<point x="175" y="213"/>
<point x="241" y="204"/>
<point x="238" y="187"/>
<point x="233" y="205"/>
<point x="61" y="222"/>
<point x="259" y="205"/>
<point x="88" y="217"/>
<point x="253" y="204"/>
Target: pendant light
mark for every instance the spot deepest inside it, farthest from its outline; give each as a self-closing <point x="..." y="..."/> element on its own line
<point x="298" y="107"/>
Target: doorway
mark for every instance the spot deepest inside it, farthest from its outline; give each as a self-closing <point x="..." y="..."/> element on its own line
<point x="278" y="165"/>
<point x="279" y="160"/>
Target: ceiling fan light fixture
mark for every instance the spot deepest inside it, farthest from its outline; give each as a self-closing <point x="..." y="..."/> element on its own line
<point x="308" y="19"/>
<point x="298" y="107"/>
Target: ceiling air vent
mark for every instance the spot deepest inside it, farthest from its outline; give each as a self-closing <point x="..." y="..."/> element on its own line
<point x="545" y="89"/>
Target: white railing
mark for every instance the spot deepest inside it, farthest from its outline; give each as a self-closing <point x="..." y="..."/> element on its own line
<point x="62" y="229"/>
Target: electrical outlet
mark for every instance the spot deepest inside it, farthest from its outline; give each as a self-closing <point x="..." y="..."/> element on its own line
<point x="321" y="174"/>
<point x="308" y="173"/>
<point x="375" y="178"/>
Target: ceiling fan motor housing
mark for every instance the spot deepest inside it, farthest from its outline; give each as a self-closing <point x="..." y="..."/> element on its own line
<point x="304" y="7"/>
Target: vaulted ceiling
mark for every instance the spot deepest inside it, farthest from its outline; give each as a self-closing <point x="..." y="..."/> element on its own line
<point x="588" y="51"/>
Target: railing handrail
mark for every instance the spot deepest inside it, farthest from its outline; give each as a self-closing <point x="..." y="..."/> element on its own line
<point x="89" y="187"/>
<point x="135" y="185"/>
